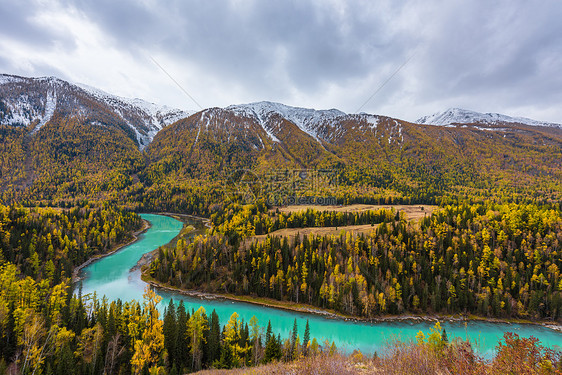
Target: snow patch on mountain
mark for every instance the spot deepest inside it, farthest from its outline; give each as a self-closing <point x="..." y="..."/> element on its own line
<point x="307" y="120"/>
<point x="395" y="132"/>
<point x="156" y="111"/>
<point x="154" y="117"/>
<point x="491" y="129"/>
<point x="50" y="106"/>
<point x="256" y="112"/>
<point x="455" y="116"/>
<point x="23" y="111"/>
<point x="20" y="113"/>
<point x="372" y="120"/>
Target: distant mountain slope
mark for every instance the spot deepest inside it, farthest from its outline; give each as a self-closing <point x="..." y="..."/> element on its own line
<point x="368" y="151"/>
<point x="32" y="102"/>
<point x="62" y="141"/>
<point x="454" y="116"/>
<point x="267" y="133"/>
<point x="216" y="140"/>
<point x="307" y="120"/>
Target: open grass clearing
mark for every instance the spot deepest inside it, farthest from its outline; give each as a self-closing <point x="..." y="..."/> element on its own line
<point x="413" y="212"/>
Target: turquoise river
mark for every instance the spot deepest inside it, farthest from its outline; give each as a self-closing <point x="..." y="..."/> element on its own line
<point x="111" y="276"/>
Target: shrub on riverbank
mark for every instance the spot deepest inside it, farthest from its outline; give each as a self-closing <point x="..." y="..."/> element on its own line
<point x="515" y="355"/>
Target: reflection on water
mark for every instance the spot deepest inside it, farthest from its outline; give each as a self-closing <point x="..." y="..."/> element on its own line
<point x="110" y="276"/>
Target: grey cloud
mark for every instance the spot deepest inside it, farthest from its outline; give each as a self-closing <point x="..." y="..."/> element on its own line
<point x="495" y="51"/>
<point x="490" y="55"/>
<point x="17" y="23"/>
<point x="309" y="43"/>
<point x="37" y="69"/>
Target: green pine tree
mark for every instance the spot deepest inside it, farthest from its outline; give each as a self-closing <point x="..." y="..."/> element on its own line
<point x="170" y="331"/>
<point x="268" y="332"/>
<point x="306" y="338"/>
<point x="213" y="342"/>
<point x="182" y="345"/>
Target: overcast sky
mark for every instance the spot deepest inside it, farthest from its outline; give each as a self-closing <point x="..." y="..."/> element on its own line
<point x="488" y="56"/>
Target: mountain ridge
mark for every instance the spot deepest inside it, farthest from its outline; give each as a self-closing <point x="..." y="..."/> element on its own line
<point x="459" y="116"/>
<point x="35" y="105"/>
<point x="32" y="102"/>
<point x="74" y="143"/>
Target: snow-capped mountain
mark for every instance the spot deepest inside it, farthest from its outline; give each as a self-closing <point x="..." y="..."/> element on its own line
<point x="32" y="103"/>
<point x="322" y="125"/>
<point x="307" y="120"/>
<point x="52" y="131"/>
<point x="239" y="136"/>
<point x="454" y="116"/>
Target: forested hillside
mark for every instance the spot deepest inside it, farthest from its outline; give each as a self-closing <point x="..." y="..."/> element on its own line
<point x="46" y="328"/>
<point x="94" y="153"/>
<point x="487" y="259"/>
<point x="46" y="244"/>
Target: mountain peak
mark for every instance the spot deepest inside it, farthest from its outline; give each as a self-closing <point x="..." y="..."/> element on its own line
<point x="8" y="78"/>
<point x="33" y="101"/>
<point x="306" y="119"/>
<point x="267" y="106"/>
<point x="454" y="116"/>
<point x="50" y="79"/>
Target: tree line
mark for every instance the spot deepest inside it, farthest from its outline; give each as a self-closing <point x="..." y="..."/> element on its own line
<point x="238" y="222"/>
<point x="47" y="330"/>
<point x="47" y="243"/>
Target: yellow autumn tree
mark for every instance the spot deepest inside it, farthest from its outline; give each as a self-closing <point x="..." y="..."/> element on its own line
<point x="89" y="343"/>
<point x="149" y="349"/>
<point x="197" y="326"/>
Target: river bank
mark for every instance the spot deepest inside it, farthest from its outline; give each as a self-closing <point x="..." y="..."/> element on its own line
<point x="331" y="314"/>
<point x="147" y="258"/>
<point x="182" y="217"/>
<point x="187" y="229"/>
<point x="76" y="272"/>
<point x="111" y="277"/>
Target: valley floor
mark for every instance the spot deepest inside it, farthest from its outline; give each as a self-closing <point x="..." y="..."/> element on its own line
<point x="413" y="213"/>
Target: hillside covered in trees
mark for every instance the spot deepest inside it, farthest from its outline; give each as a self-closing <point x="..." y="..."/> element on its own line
<point x="46" y="244"/>
<point x="487" y="259"/>
<point x="89" y="146"/>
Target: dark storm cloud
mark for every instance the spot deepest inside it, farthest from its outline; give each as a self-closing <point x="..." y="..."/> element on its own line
<point x="262" y="44"/>
<point x="485" y="55"/>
